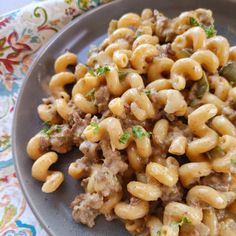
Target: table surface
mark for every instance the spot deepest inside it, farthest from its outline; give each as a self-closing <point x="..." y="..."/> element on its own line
<point x="10" y="5"/>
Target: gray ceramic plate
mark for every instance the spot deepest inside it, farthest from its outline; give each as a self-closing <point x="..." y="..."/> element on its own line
<point x="52" y="209"/>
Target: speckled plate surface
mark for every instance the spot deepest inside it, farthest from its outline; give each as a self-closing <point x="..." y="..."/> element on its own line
<point x="52" y="210"/>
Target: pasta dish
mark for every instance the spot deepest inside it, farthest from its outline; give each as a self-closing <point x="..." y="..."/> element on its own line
<point x="153" y="113"/>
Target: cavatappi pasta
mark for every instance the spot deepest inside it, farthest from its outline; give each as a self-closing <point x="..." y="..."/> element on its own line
<point x="153" y="113"/>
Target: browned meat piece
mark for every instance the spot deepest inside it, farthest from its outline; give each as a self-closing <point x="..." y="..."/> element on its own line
<point x="220" y="214"/>
<point x="218" y="181"/>
<point x="86" y="208"/>
<point x="89" y="149"/>
<point x="134" y="201"/>
<point x="78" y="125"/>
<point x="161" y="150"/>
<point x="102" y="98"/>
<point x="204" y="16"/>
<point x="90" y="157"/>
<point x="44" y="143"/>
<point x="165" y="50"/>
<point x="57" y="138"/>
<point x="154" y="97"/>
<point x="84" y="164"/>
<point x="104" y="181"/>
<point x="129" y="120"/>
<point x="61" y="139"/>
<point x="170" y="194"/>
<point x="114" y="161"/>
<point x="163" y="29"/>
<point x="195" y="230"/>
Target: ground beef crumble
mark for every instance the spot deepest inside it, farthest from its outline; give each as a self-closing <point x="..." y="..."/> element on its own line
<point x="104" y="181"/>
<point x="102" y="98"/>
<point x="89" y="149"/>
<point x="114" y="161"/>
<point x="44" y="143"/>
<point x="62" y="141"/>
<point x="86" y="208"/>
<point x="170" y="194"/>
<point x="57" y="138"/>
<point x="78" y="124"/>
<point x="218" y="181"/>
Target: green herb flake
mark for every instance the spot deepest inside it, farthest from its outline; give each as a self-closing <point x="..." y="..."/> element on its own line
<point x="139" y="133"/>
<point x="101" y="70"/>
<point x="45" y="130"/>
<point x="209" y="30"/>
<point x="148" y="92"/>
<point x="158" y="233"/>
<point x="193" y="21"/>
<point x="181" y="222"/>
<point x="92" y="72"/>
<point x="124" y="137"/>
<point x="90" y="94"/>
<point x="53" y="129"/>
<point x="95" y="127"/>
<point x="233" y="162"/>
<point x="58" y="128"/>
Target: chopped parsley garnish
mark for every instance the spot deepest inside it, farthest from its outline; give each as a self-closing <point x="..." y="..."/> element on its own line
<point x="45" y="130"/>
<point x="92" y="72"/>
<point x="95" y="127"/>
<point x="101" y="70"/>
<point x="124" y="137"/>
<point x="158" y="233"/>
<point x="53" y="129"/>
<point x="148" y="92"/>
<point x="193" y="22"/>
<point x="90" y="94"/>
<point x="183" y="220"/>
<point x="233" y="162"/>
<point x="210" y="30"/>
<point x="139" y="133"/>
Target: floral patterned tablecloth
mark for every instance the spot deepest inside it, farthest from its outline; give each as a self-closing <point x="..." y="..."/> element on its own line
<point x="22" y="33"/>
